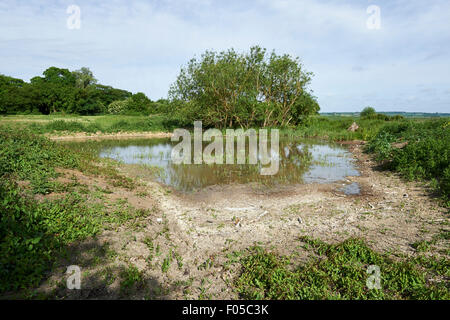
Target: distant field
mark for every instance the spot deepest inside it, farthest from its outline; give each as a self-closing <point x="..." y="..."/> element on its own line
<point x="393" y="113"/>
<point x="59" y="124"/>
<point x="103" y="119"/>
<point x="328" y="127"/>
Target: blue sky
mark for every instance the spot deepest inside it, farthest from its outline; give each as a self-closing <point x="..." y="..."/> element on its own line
<point x="141" y="45"/>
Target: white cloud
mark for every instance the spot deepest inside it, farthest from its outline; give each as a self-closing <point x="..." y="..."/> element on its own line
<point x="140" y="45"/>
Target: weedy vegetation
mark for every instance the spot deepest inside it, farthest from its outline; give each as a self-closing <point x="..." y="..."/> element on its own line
<point x="35" y="232"/>
<point x="339" y="271"/>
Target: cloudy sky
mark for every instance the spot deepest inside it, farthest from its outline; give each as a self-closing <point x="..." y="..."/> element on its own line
<point x="141" y="45"/>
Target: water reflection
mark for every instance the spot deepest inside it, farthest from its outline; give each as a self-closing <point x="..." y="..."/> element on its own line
<point x="300" y="162"/>
<point x="351" y="189"/>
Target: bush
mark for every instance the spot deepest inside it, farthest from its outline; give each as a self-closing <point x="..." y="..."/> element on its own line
<point x="32" y="233"/>
<point x="230" y="89"/>
<point x="368" y="112"/>
<point x="31" y="157"/>
<point x="426" y="155"/>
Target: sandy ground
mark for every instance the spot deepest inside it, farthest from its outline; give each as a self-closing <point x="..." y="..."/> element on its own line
<point x="205" y="227"/>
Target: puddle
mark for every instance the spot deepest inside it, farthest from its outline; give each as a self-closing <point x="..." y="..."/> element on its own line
<point x="351" y="189"/>
<point x="300" y="162"/>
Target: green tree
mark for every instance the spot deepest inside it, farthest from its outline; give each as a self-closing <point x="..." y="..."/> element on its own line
<point x="11" y="95"/>
<point x="108" y="94"/>
<point x="59" y="76"/>
<point x="84" y="78"/>
<point x="368" y="112"/>
<point x="228" y="89"/>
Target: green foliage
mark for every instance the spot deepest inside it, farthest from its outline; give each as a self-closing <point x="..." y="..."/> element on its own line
<point x="33" y="233"/>
<point x="31" y="157"/>
<point x="16" y="96"/>
<point x="229" y="89"/>
<point x="339" y="273"/>
<point x="26" y="245"/>
<point x="335" y="128"/>
<point x="59" y="90"/>
<point x="368" y="112"/>
<point x="118" y="107"/>
<point x="130" y="276"/>
<point x="137" y="104"/>
<point x="381" y="145"/>
<point x="84" y="78"/>
<point x="426" y="155"/>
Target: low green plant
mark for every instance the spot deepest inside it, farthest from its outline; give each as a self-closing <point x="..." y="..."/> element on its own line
<point x="424" y="156"/>
<point x="130" y="276"/>
<point x="339" y="272"/>
<point x="34" y="233"/>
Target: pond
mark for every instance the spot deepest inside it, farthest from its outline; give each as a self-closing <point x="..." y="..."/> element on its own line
<point x="300" y="161"/>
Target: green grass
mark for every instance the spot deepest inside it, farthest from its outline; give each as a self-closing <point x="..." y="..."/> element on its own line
<point x="335" y="128"/>
<point x="33" y="232"/>
<point x="425" y="157"/>
<point x="55" y="124"/>
<point x="339" y="271"/>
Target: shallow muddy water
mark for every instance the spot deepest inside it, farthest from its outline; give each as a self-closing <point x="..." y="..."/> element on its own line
<point x="300" y="161"/>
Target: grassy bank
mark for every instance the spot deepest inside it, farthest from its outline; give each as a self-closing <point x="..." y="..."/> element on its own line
<point x="335" y="128"/>
<point x="339" y="271"/>
<point x="425" y="157"/>
<point x="59" y="124"/>
<point x="35" y="228"/>
<point x="419" y="151"/>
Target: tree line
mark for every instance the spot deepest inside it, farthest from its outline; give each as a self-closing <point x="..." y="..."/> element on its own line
<point x="223" y="89"/>
<point x="73" y="92"/>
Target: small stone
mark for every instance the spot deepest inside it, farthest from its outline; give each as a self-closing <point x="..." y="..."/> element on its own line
<point x="399" y="145"/>
<point x="159" y="220"/>
<point x="353" y="127"/>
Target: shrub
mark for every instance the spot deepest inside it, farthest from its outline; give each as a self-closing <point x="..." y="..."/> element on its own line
<point x="426" y="155"/>
<point x="231" y="89"/>
<point x="31" y="157"/>
<point x="118" y="106"/>
<point x="32" y="233"/>
<point x="367" y="112"/>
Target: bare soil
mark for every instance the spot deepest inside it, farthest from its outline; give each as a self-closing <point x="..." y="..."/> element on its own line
<point x="205" y="227"/>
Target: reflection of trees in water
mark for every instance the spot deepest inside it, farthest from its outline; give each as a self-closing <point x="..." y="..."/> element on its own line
<point x="293" y="163"/>
<point x="108" y="145"/>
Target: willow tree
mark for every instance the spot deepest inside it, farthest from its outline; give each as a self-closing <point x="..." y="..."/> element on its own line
<point x="229" y="89"/>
